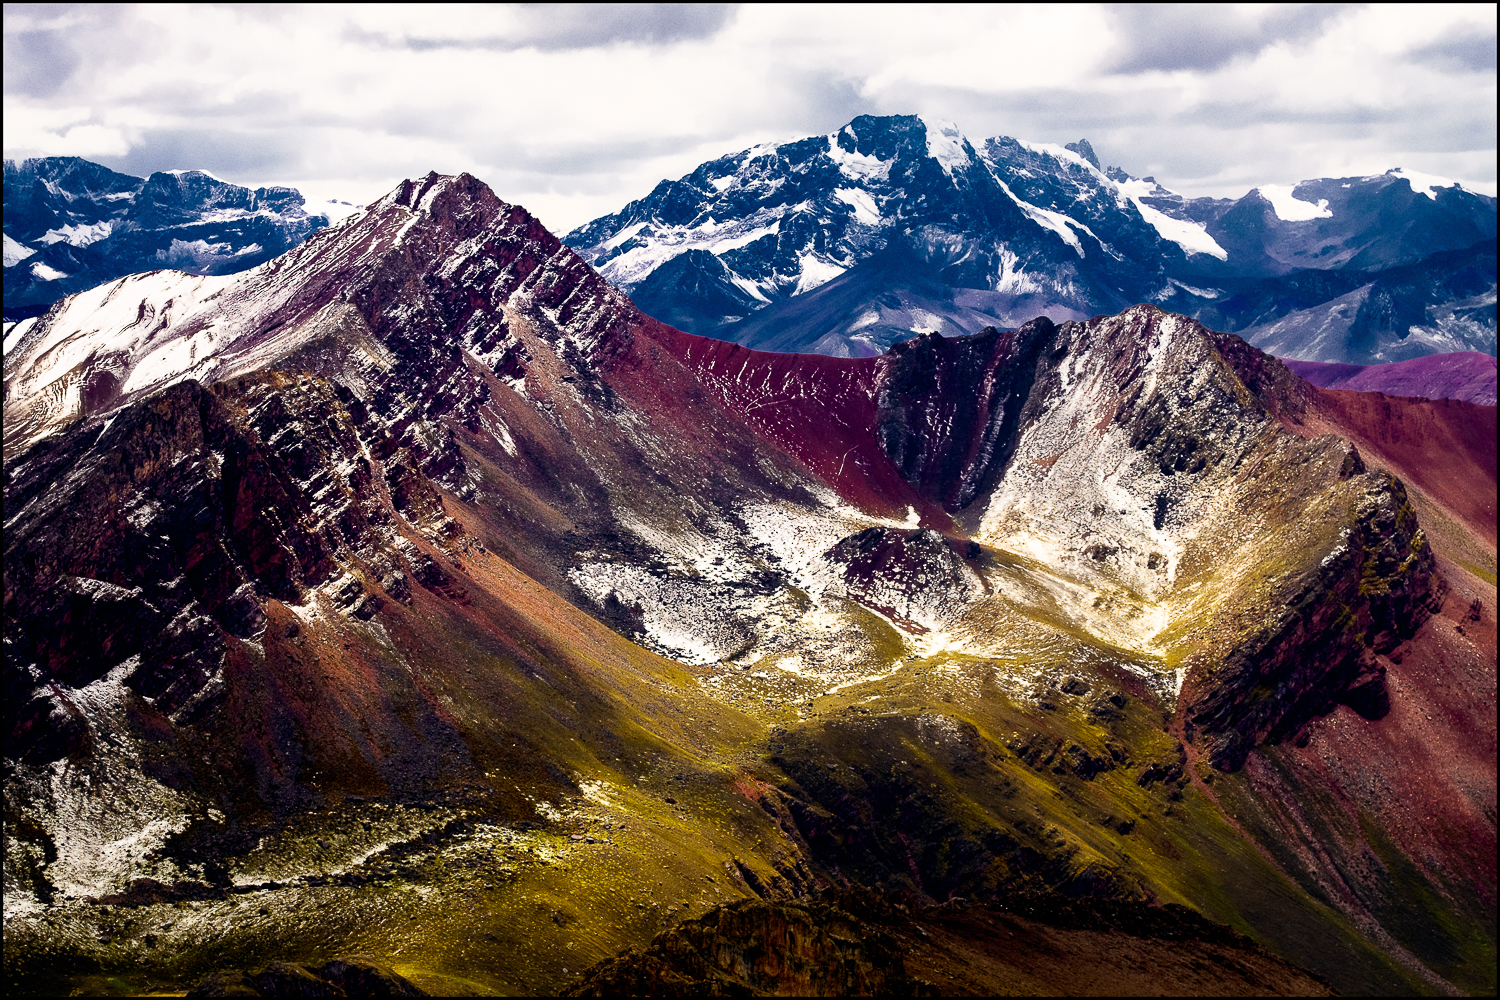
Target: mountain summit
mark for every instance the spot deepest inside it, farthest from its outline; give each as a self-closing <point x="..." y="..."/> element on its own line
<point x="847" y="243"/>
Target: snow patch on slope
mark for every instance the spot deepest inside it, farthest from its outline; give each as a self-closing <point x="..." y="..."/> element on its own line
<point x="78" y="236"/>
<point x="662" y="243"/>
<point x="816" y="271"/>
<point x="46" y="273"/>
<point x="1193" y="237"/>
<point x="1048" y="219"/>
<point x="865" y="210"/>
<point x="1424" y="183"/>
<point x="857" y="166"/>
<point x="1289" y="209"/>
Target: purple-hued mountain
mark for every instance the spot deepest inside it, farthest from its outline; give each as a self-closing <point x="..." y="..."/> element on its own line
<point x="1466" y="375"/>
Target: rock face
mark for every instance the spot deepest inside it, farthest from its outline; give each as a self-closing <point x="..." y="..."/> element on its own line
<point x="850" y="243"/>
<point x="911" y="576"/>
<point x="418" y="564"/>
<point x="71" y="224"/>
<point x="1328" y="628"/>
<point x="948" y="411"/>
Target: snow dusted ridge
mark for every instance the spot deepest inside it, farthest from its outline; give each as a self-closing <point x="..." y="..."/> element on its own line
<point x="103" y="347"/>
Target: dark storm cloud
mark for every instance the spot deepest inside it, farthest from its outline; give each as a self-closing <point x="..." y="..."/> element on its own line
<point x="563" y="26"/>
<point x="38" y="63"/>
<point x="1205" y="36"/>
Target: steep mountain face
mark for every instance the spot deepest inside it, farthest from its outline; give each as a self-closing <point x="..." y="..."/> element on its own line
<point x="419" y="579"/>
<point x="71" y="224"/>
<point x="849" y="243"/>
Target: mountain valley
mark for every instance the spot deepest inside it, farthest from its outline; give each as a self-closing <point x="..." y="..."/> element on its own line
<point x="414" y="594"/>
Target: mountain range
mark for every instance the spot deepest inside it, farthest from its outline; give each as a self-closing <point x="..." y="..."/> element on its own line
<point x="848" y="243"/>
<point x="71" y="224"/>
<point x="416" y="596"/>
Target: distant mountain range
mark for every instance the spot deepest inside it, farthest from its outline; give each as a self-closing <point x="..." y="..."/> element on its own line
<point x="847" y="243"/>
<point x="71" y="224"/>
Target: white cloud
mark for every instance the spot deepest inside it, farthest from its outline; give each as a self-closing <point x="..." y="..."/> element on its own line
<point x="573" y="110"/>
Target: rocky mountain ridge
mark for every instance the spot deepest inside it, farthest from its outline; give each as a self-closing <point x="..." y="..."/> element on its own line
<point x="418" y="578"/>
<point x="848" y="243"/>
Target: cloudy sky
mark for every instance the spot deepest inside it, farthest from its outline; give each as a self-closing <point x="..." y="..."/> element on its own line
<point x="572" y="110"/>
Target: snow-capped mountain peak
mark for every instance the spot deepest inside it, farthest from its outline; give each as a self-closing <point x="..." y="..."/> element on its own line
<point x="779" y="221"/>
<point x="849" y="242"/>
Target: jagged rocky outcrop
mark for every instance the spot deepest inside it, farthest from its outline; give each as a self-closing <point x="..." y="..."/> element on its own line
<point x="1328" y="629"/>
<point x="948" y="411"/>
<point x="171" y="539"/>
<point x="912" y="576"/>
